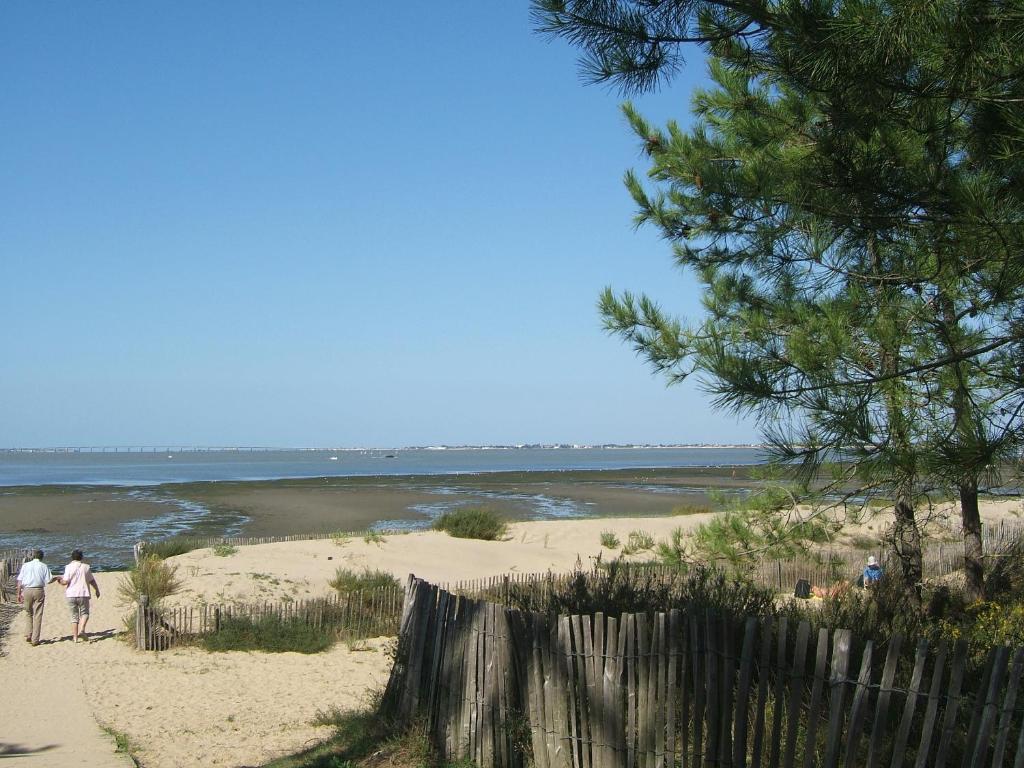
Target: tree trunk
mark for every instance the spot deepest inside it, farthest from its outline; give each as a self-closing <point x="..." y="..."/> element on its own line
<point x="974" y="563"/>
<point x="906" y="540"/>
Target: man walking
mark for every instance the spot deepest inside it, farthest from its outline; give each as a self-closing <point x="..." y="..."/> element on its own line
<point x="32" y="580"/>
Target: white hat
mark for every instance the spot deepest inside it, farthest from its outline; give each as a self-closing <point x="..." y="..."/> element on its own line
<point x="872" y="560"/>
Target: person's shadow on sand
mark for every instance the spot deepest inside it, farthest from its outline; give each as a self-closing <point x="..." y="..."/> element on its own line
<point x="106" y="634"/>
<point x="16" y="750"/>
<point x="50" y="641"/>
<point x="91" y="637"/>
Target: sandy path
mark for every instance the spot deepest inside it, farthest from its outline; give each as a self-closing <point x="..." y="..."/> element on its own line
<point x="52" y="723"/>
<point x="178" y="708"/>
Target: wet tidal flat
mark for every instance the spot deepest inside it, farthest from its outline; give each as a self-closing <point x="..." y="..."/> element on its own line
<point x="106" y="521"/>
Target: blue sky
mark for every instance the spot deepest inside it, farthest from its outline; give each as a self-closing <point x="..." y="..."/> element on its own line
<point x="321" y="223"/>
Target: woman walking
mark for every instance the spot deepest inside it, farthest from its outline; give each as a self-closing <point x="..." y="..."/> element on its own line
<point x="78" y="578"/>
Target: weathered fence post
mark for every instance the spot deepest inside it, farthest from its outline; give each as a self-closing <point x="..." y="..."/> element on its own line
<point x="141" y="623"/>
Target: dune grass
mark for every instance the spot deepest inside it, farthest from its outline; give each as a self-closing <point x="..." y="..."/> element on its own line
<point x="269" y="634"/>
<point x="638" y="541"/>
<point x="152" y="577"/>
<point x="472" y="523"/>
<point x="347" y="580"/>
<point x="176" y="545"/>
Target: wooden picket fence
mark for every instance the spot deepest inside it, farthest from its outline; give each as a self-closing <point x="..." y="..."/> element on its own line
<point x="354" y="616"/>
<point x="10" y="564"/>
<point x="829" y="567"/>
<point x="505" y="689"/>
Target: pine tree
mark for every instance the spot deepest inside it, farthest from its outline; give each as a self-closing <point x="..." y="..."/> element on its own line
<point x="851" y="199"/>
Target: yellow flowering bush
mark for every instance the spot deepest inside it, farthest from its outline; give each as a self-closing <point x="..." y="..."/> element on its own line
<point x="987" y="625"/>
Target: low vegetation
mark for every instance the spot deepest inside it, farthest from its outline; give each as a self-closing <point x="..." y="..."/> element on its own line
<point x="680" y="510"/>
<point x="122" y="743"/>
<point x="624" y="588"/>
<point x="270" y="634"/>
<point x="374" y="537"/>
<point x="224" y="550"/>
<point x="609" y="540"/>
<point x="347" y="580"/>
<point x="472" y="523"/>
<point x="176" y="545"/>
<point x="638" y="541"/>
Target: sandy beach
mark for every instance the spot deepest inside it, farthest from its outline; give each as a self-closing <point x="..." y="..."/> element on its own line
<point x="191" y="707"/>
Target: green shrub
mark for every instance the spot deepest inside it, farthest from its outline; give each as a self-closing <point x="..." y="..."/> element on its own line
<point x="472" y="523"/>
<point x="151" y="576"/>
<point x="984" y="626"/>
<point x="270" y="634"/>
<point x="638" y="541"/>
<point x="224" y="550"/>
<point x="177" y="545"/>
<point x="609" y="540"/>
<point x="347" y="580"/>
<point x="374" y="537"/>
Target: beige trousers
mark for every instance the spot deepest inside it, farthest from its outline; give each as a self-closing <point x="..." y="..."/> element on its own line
<point x="35" y="598"/>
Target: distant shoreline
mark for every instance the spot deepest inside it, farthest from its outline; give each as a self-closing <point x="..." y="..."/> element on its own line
<point x="629" y="473"/>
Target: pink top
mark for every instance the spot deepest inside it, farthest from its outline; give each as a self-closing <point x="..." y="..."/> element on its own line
<point x="78" y="576"/>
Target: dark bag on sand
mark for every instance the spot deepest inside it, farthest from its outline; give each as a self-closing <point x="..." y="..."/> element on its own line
<point x="803" y="589"/>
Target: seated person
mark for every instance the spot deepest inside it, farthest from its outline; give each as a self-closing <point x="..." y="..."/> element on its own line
<point x="872" y="573"/>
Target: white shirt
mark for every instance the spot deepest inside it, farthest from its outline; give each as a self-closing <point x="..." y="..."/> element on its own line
<point x="34" y="573"/>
